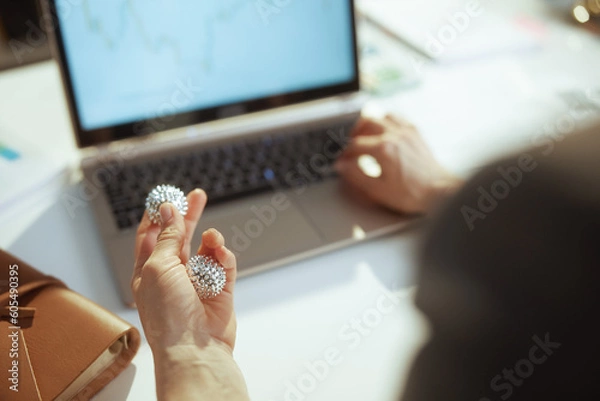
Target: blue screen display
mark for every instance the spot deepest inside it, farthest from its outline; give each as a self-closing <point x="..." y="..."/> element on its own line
<point x="131" y="60"/>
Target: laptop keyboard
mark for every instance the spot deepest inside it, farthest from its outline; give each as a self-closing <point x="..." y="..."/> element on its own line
<point x="229" y="171"/>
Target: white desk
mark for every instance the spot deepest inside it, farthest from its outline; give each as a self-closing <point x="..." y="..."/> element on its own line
<point x="292" y="316"/>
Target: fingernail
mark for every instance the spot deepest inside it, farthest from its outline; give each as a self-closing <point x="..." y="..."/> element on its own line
<point x="166" y="212"/>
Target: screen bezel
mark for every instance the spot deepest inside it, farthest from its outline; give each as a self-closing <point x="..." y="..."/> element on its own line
<point x="140" y="128"/>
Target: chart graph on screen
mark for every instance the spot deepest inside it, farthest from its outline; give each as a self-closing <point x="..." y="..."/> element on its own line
<point x="130" y="18"/>
<point x="128" y="57"/>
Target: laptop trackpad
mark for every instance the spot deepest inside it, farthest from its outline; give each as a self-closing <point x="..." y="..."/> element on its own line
<point x="266" y="228"/>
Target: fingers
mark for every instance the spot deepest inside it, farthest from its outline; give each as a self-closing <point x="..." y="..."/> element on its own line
<point x="384" y="149"/>
<point x="367" y="127"/>
<point x="161" y="246"/>
<point x="353" y="174"/>
<point x="172" y="233"/>
<point x="145" y="224"/>
<point x="228" y="261"/>
<point x="390" y="123"/>
<point x="213" y="244"/>
<point x="369" y="145"/>
<point x="211" y="239"/>
<point x="148" y="232"/>
<point x="399" y="122"/>
<point x="145" y="242"/>
<point x="196" y="203"/>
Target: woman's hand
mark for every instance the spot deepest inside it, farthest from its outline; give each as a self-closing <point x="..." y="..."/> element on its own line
<point x="170" y="310"/>
<point x="411" y="179"/>
<point x="192" y="340"/>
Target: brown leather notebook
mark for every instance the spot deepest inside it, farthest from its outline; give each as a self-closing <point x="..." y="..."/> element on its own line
<point x="54" y="343"/>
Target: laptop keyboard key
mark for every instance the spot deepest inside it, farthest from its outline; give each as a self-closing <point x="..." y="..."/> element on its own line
<point x="229" y="171"/>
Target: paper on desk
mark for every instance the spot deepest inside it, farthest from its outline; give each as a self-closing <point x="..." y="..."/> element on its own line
<point x="449" y="31"/>
<point x="23" y="169"/>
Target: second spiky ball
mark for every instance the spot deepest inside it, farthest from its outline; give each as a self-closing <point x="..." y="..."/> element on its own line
<point x="207" y="276"/>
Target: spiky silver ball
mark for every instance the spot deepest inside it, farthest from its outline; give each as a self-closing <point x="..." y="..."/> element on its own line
<point x="207" y="276"/>
<point x="162" y="194"/>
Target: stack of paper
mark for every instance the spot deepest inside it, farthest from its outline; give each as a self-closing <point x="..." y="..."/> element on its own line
<point x="449" y="31"/>
<point x="23" y="169"/>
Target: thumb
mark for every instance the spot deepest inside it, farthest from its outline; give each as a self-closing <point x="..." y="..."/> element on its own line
<point x="172" y="233"/>
<point x="353" y="174"/>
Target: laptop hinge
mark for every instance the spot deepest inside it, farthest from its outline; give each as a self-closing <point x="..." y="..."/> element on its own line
<point x="294" y="115"/>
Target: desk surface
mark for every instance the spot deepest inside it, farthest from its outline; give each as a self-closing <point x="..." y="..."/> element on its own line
<point x="291" y="317"/>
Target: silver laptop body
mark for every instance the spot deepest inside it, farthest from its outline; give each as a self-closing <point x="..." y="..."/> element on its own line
<point x="299" y="218"/>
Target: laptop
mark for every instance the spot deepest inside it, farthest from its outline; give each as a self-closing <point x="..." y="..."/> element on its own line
<point x="251" y="101"/>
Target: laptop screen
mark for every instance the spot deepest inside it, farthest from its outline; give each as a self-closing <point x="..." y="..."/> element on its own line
<point x="134" y="67"/>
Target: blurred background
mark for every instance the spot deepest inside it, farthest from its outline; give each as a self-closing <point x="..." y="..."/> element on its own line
<point x="22" y="40"/>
